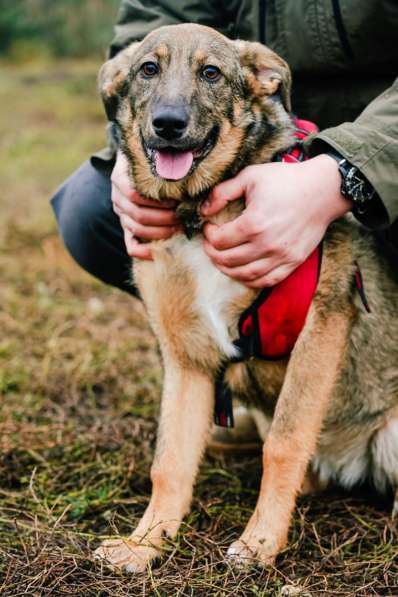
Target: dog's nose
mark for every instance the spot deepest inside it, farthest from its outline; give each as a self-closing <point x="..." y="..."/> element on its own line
<point x="170" y="122"/>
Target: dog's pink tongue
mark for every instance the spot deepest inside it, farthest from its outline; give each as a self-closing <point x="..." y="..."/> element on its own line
<point x="173" y="165"/>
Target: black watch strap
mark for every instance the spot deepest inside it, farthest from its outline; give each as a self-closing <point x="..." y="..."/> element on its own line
<point x="354" y="185"/>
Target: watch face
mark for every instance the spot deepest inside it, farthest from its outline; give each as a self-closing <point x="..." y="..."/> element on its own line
<point x="355" y="187"/>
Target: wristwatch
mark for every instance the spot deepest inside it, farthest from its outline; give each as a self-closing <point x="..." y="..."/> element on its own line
<point x="354" y="185"/>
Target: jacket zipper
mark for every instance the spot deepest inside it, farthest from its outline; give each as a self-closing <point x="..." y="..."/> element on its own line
<point x="341" y="30"/>
<point x="262" y="14"/>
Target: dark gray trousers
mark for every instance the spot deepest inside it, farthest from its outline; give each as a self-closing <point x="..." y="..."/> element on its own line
<point x="89" y="227"/>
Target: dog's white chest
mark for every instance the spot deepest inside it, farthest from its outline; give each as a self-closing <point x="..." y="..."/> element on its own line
<point x="213" y="292"/>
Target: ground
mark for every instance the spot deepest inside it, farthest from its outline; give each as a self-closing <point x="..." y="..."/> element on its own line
<point x="80" y="382"/>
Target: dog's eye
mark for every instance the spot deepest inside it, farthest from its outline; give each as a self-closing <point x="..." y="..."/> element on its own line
<point x="149" y="69"/>
<point x="211" y="73"/>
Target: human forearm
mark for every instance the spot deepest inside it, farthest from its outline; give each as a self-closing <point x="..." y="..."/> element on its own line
<point x="371" y="144"/>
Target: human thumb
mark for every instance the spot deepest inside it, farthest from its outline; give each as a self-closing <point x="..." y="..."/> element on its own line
<point x="226" y="191"/>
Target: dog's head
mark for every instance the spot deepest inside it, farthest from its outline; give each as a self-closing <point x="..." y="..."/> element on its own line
<point x="192" y="107"/>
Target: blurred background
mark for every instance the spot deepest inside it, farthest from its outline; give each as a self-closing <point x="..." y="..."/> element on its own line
<point x="61" y="28"/>
<point x="51" y="117"/>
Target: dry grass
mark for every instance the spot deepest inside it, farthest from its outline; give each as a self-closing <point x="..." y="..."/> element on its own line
<point x="79" y="385"/>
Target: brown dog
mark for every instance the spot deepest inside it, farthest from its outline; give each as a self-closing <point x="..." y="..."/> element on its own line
<point x="192" y="108"/>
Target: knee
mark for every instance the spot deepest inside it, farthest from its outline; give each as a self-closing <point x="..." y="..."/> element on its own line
<point x="80" y="203"/>
<point x="79" y="222"/>
<point x="90" y="229"/>
<point x="83" y="211"/>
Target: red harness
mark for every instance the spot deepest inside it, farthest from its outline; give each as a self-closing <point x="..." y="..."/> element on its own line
<point x="271" y="325"/>
<point x="269" y="328"/>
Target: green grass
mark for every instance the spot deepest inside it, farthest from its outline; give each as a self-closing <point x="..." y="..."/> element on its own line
<point x="79" y="385"/>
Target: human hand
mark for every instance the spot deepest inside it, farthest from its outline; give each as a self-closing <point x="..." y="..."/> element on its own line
<point x="288" y="208"/>
<point x="140" y="218"/>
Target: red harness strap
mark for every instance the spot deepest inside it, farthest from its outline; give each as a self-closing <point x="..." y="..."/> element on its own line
<point x="303" y="128"/>
<point x="271" y="325"/>
<point x="269" y="328"/>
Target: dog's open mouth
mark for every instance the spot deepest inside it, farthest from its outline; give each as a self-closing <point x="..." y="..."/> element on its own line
<point x="174" y="163"/>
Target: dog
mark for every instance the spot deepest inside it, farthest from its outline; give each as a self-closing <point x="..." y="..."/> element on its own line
<point x="190" y="109"/>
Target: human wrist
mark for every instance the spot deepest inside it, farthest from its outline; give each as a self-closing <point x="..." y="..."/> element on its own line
<point x="336" y="205"/>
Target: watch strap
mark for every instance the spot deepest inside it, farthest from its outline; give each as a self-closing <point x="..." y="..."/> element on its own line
<point x="354" y="185"/>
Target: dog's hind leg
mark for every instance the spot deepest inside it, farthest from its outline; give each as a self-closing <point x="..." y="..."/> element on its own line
<point x="385" y="457"/>
<point x="394" y="513"/>
<point x="185" y="422"/>
<point x="301" y="406"/>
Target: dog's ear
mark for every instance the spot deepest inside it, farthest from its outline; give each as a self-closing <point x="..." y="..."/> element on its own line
<point x="112" y="78"/>
<point x="265" y="72"/>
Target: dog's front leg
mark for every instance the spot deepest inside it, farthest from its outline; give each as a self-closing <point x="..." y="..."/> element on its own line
<point x="186" y="412"/>
<point x="309" y="382"/>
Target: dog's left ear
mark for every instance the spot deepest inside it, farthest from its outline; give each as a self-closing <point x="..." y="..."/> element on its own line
<point x="265" y="72"/>
<point x="112" y="78"/>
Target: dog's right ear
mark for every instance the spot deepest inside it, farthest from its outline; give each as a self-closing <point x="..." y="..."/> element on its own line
<point x="112" y="78"/>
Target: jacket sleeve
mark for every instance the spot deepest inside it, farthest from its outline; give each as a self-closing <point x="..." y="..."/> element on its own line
<point x="371" y="144"/>
<point x="136" y="18"/>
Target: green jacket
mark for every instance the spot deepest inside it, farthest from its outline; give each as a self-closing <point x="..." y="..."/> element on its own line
<point x="344" y="58"/>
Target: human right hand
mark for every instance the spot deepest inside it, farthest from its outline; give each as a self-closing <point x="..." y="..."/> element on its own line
<point x="288" y="208"/>
<point x="140" y="218"/>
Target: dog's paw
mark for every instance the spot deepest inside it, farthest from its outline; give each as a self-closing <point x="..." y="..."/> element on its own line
<point x="253" y="551"/>
<point x="126" y="554"/>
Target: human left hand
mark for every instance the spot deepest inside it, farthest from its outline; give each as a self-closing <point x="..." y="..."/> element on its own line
<point x="288" y="208"/>
<point x="140" y="218"/>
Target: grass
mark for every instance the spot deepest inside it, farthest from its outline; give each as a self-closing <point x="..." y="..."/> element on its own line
<point x="80" y="382"/>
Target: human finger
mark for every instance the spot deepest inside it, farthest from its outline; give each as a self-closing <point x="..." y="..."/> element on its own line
<point x="159" y="204"/>
<point x="148" y="216"/>
<point x="226" y="191"/>
<point x="120" y="175"/>
<point x="250" y="272"/>
<point x="147" y="232"/>
<point x="235" y="257"/>
<point x="135" y="248"/>
<point x="232" y="234"/>
<point x="273" y="277"/>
